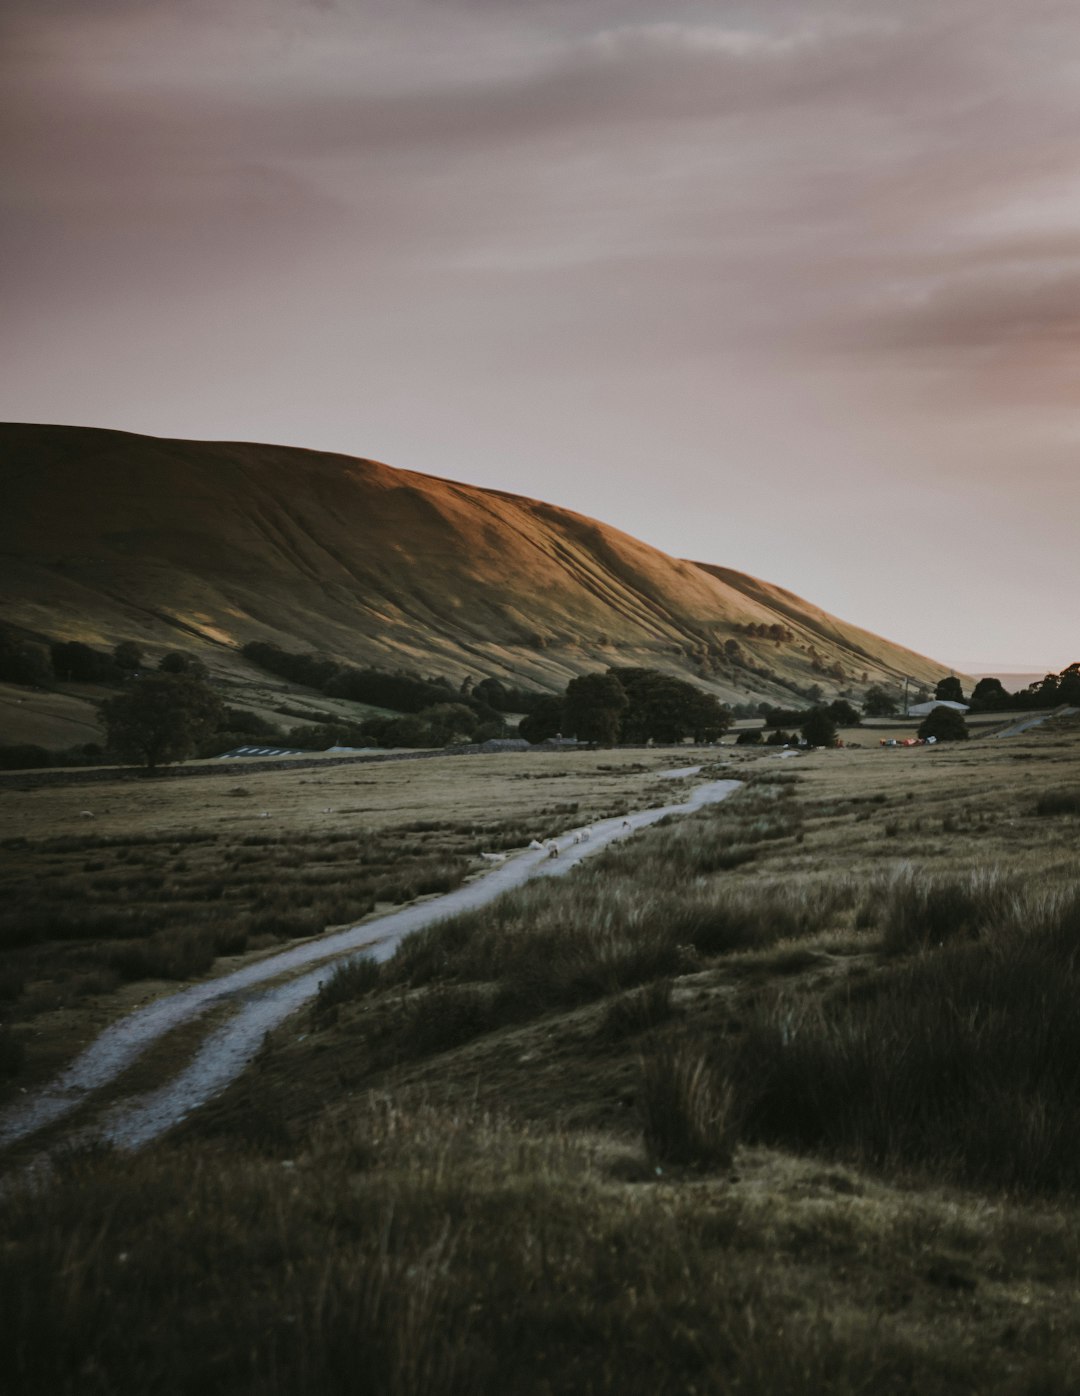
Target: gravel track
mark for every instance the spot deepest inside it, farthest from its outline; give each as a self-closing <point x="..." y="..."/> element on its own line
<point x="228" y="1049"/>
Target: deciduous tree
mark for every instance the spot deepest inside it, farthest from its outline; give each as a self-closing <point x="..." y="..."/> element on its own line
<point x="161" y="718"/>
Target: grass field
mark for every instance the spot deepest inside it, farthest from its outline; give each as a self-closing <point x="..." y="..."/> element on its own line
<point x="783" y="1097"/>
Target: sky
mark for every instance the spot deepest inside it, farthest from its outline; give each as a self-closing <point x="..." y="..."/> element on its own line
<point x="790" y="286"/>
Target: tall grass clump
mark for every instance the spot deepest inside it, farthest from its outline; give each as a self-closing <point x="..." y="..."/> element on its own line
<point x="548" y="945"/>
<point x="686" y="1107"/>
<point x="641" y="1010"/>
<point x="964" y="1063"/>
<point x="350" y="980"/>
<point x="915" y="911"/>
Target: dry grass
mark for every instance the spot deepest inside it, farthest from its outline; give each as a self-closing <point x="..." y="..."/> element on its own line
<point x="845" y="1054"/>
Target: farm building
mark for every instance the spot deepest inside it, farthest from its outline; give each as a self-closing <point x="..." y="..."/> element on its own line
<point x="921" y="709"/>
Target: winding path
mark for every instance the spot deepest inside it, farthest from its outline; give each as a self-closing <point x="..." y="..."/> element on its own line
<point x="267" y="992"/>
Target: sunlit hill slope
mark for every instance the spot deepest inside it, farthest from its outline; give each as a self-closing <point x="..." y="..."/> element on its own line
<point x="195" y="545"/>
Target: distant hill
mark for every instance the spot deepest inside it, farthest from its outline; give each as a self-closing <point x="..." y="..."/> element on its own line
<point x="203" y="546"/>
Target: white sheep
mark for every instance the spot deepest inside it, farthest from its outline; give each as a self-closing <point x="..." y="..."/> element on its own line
<point x="86" y="814"/>
<point x="494" y="857"/>
<point x="582" y="835"/>
<point x="552" y="848"/>
<point x="264" y="814"/>
<point x="537" y="845"/>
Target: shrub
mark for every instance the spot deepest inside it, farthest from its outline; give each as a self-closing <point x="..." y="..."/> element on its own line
<point x="944" y="725"/>
<point x="1058" y="802"/>
<point x="686" y="1108"/>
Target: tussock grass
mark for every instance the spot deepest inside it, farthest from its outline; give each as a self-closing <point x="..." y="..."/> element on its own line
<point x="641" y="1010"/>
<point x="686" y="1107"/>
<point x="963" y="1061"/>
<point x="408" y="1250"/>
<point x="916" y="910"/>
<point x="349" y="981"/>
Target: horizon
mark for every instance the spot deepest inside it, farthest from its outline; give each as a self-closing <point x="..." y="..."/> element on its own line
<point x="781" y="288"/>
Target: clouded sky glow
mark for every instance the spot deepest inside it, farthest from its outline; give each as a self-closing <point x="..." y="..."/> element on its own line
<point x="792" y="286"/>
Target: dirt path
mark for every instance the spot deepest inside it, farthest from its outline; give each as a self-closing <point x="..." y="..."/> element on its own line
<point x="280" y="990"/>
<point x="1028" y="723"/>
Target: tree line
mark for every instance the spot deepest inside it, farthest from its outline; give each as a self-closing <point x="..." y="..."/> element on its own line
<point x="628" y="705"/>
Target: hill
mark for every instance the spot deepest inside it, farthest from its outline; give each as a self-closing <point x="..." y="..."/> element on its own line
<point x="204" y="546"/>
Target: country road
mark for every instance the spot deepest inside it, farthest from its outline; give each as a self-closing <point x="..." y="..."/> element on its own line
<point x="265" y="993"/>
<point x="1028" y="723"/>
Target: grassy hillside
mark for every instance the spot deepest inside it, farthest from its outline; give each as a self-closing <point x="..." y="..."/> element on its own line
<point x="178" y="544"/>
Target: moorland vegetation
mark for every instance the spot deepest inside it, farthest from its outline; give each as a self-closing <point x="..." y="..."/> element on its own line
<point x="781" y="1097"/>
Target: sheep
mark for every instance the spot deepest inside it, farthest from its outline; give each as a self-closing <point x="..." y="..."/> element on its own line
<point x="86" y="814"/>
<point x="264" y="814"/>
<point x="537" y="846"/>
<point x="494" y="857"/>
<point x="552" y="848"/>
<point x="582" y="835"/>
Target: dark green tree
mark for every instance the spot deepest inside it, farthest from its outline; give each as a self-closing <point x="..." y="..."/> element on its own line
<point x="878" y="703"/>
<point x="128" y="656"/>
<point x="1069" y="684"/>
<point x="22" y="661"/>
<point x="545" y="720"/>
<point x="989" y="696"/>
<point x="74" y="662"/>
<point x="750" y="736"/>
<point x="665" y="709"/>
<point x="944" y="724"/>
<point x="842" y="713"/>
<point x="593" y="708"/>
<point x="177" y="663"/>
<point x="949" y="690"/>
<point x="161" y="718"/>
<point x="818" y="728"/>
<point x="448" y="723"/>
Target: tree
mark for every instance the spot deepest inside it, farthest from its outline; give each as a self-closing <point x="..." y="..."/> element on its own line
<point x="944" y="724"/>
<point x="949" y="690"/>
<point x="448" y="723"/>
<point x="21" y="662"/>
<point x="665" y="709"/>
<point x="128" y="656"/>
<point x="1069" y="684"/>
<point x="878" y="703"/>
<point x="176" y="663"/>
<point x="842" y="713"/>
<point x="161" y="718"/>
<point x="74" y="662"/>
<point x="545" y="720"/>
<point x="750" y="736"/>
<point x="593" y="708"/>
<point x="711" y="718"/>
<point x="989" y="696"/>
<point x="818" y="728"/>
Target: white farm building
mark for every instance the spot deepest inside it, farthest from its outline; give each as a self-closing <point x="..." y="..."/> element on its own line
<point x="921" y="709"/>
